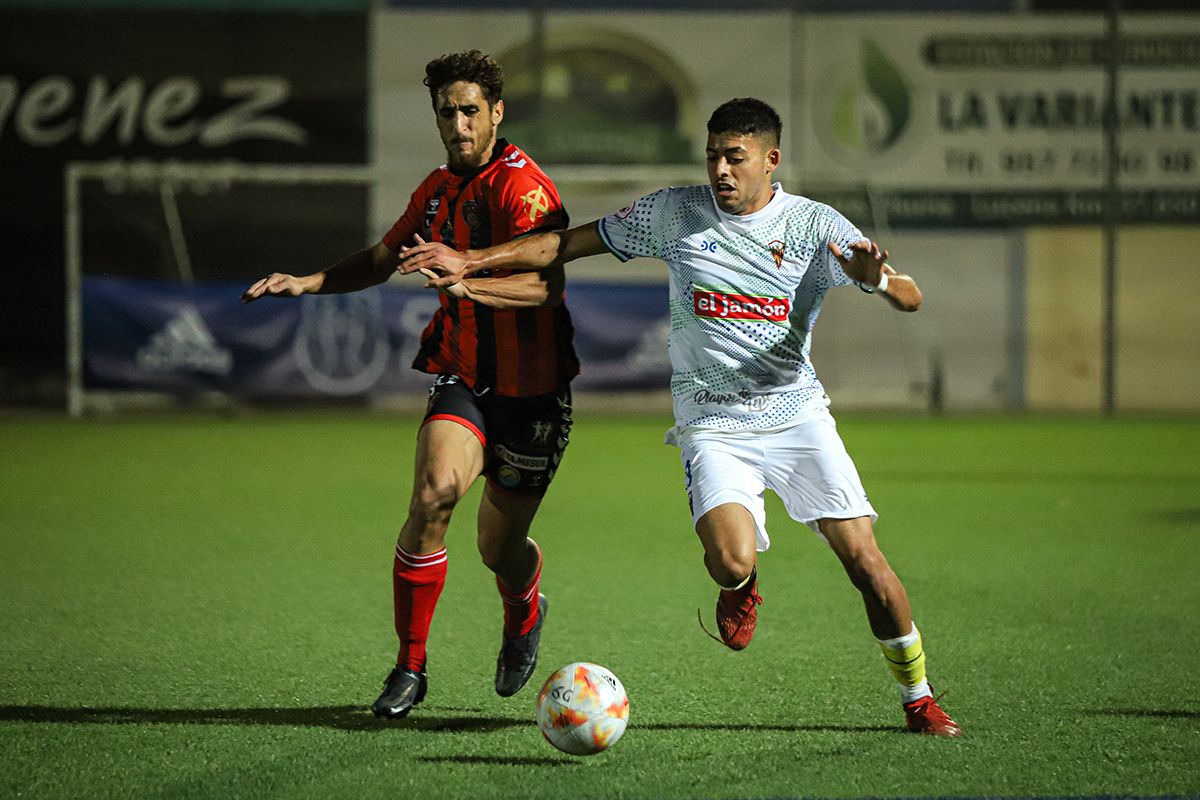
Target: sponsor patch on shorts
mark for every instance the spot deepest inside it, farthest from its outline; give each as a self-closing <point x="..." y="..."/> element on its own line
<point x="522" y="461"/>
<point x="508" y="476"/>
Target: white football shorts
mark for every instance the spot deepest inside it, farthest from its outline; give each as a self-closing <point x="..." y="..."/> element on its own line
<point x="805" y="464"/>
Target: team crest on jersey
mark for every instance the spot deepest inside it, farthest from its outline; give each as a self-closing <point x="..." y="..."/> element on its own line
<point x="470" y="210"/>
<point x="712" y="304"/>
<point x="535" y="202"/>
<point x="776" y="248"/>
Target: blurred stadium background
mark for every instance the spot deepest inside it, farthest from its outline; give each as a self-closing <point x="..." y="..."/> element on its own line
<point x="157" y="155"/>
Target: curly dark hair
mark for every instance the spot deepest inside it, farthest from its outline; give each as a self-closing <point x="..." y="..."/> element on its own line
<point x="472" y="66"/>
<point x="746" y="115"/>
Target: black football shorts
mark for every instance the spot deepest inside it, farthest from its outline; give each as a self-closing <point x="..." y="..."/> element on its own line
<point x="523" y="437"/>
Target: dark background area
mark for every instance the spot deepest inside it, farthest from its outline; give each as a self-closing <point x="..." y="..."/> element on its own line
<point x="66" y="67"/>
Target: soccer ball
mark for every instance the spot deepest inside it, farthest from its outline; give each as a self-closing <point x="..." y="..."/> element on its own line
<point x="582" y="709"/>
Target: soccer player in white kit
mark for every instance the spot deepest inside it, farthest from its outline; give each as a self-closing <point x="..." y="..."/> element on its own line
<point x="749" y="265"/>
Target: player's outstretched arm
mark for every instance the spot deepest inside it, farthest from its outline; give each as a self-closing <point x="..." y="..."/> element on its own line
<point x="867" y="264"/>
<point x="534" y="252"/>
<point x="356" y="271"/>
<point x="518" y="290"/>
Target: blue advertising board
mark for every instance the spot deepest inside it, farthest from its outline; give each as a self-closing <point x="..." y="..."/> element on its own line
<point x="169" y="337"/>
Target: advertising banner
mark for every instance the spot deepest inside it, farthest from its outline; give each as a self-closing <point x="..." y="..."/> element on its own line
<point x="913" y="120"/>
<point x="77" y="84"/>
<point x="986" y="120"/>
<point x="163" y="336"/>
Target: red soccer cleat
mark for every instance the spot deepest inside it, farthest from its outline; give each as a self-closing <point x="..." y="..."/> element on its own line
<point x="737" y="614"/>
<point x="926" y="716"/>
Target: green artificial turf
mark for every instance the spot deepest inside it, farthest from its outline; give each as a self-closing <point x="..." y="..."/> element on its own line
<point x="201" y="607"/>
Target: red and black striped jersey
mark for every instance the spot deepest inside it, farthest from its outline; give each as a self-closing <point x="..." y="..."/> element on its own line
<point x="516" y="352"/>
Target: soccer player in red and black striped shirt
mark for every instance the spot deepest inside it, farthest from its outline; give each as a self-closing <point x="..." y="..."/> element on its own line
<point x="516" y="352"/>
<point x="500" y="404"/>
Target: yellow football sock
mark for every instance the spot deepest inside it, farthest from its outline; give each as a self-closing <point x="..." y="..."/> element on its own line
<point x="905" y="657"/>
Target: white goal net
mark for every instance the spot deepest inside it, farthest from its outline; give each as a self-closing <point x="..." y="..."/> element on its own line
<point x="146" y="240"/>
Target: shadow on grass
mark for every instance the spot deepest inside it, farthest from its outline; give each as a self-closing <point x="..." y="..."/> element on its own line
<point x="1156" y="713"/>
<point x="1184" y="517"/>
<point x="503" y="762"/>
<point x="1033" y="477"/>
<point x="357" y="718"/>
<point x="733" y="726"/>
<point x="345" y="718"/>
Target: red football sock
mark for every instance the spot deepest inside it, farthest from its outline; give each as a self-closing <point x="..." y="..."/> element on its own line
<point x="417" y="582"/>
<point x="521" y="607"/>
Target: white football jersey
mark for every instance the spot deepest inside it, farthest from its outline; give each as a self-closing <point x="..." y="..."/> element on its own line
<point x="745" y="292"/>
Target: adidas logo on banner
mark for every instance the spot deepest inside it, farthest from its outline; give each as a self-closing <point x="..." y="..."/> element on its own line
<point x="185" y="343"/>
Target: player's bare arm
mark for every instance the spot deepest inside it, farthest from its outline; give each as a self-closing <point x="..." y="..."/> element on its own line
<point x="356" y="271"/>
<point x="518" y="290"/>
<point x="536" y="252"/>
<point x="867" y="264"/>
<point x="445" y="268"/>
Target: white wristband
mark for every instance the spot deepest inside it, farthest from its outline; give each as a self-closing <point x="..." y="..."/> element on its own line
<point x="883" y="282"/>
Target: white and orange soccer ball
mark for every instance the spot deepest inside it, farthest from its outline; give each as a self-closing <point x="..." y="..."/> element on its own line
<point x="582" y="709"/>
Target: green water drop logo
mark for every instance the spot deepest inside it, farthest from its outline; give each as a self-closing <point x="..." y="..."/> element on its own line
<point x="873" y="114"/>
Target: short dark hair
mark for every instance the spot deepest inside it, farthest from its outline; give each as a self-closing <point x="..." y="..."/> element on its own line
<point x="746" y="115"/>
<point x="472" y="66"/>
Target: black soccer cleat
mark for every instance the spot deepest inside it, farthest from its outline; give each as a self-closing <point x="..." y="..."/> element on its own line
<point x="403" y="689"/>
<point x="518" y="656"/>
